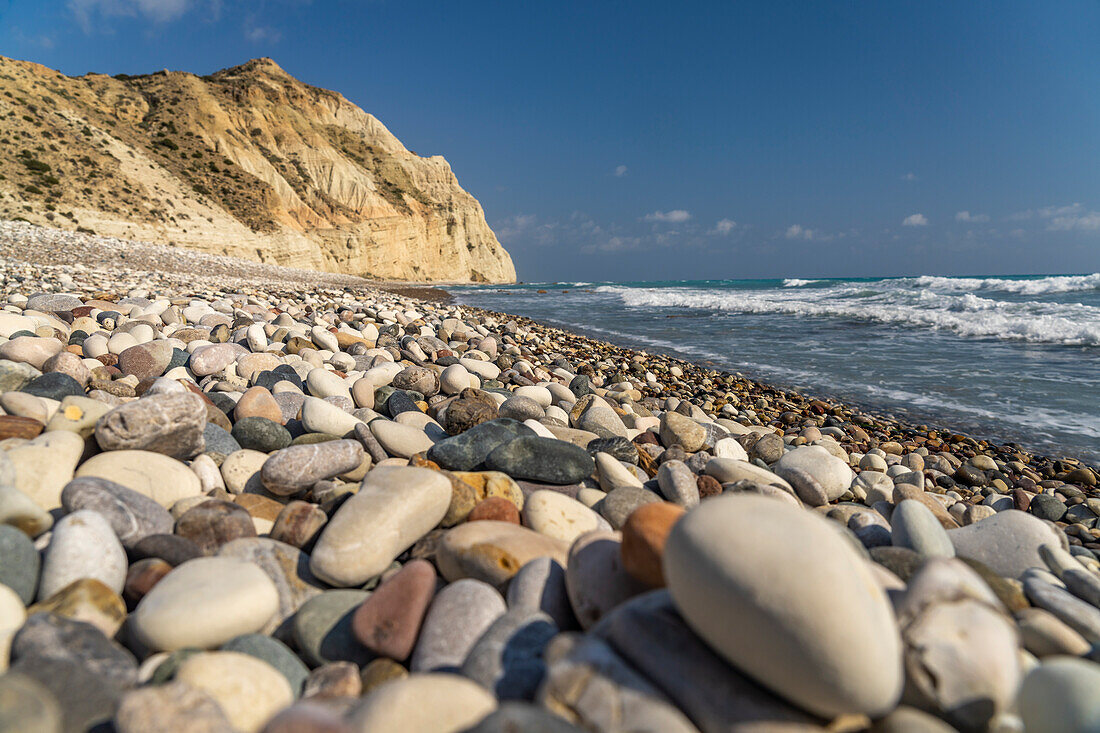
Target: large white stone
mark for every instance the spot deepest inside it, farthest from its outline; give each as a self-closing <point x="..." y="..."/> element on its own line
<point x="784" y="598"/>
<point x="204" y="603"/>
<point x="395" y="506"/>
<point x="815" y="472"/>
<point x="1008" y="542"/>
<point x="249" y="690"/>
<point x="423" y="703"/>
<point x="399" y="440"/>
<point x="82" y="545"/>
<point x="45" y="464"/>
<point x="319" y="416"/>
<point x="556" y="515"/>
<point x="162" y="478"/>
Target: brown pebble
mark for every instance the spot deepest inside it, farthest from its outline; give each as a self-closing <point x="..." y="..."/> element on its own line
<point x="388" y="622"/>
<point x="708" y="486"/>
<point x="13" y="426"/>
<point x="644" y="536"/>
<point x="298" y="524"/>
<point x="379" y="672"/>
<point x="335" y="679"/>
<point x="494" y="508"/>
<point x="258" y="402"/>
<point x="141" y="578"/>
<point x="213" y="523"/>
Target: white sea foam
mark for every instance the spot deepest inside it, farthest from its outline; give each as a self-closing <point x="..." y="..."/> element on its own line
<point x="967" y="315"/>
<point x="1032" y="286"/>
<point x="794" y="282"/>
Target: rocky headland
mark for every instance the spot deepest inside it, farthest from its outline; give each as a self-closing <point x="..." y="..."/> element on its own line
<point x="237" y="497"/>
<point x="248" y="162"/>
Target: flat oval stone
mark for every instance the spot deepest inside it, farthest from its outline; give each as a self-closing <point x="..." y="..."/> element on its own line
<point x="507" y="659"/>
<point x="210" y="359"/>
<point x="541" y="459"/>
<point x="389" y="621"/>
<point x="817" y="476"/>
<point x="87" y="600"/>
<point x="1008" y="542"/>
<point x="248" y="690"/>
<point x="493" y="551"/>
<point x="399" y="440"/>
<point x="82" y="545"/>
<point x="146" y="361"/>
<point x="161" y="478"/>
<point x="45" y="464"/>
<point x="171" y="424"/>
<point x="204" y="603"/>
<point x="298" y="467"/>
<point x="56" y="638"/>
<point x="595" y="578"/>
<point x="395" y="506"/>
<point x="260" y="434"/>
<point x="459" y="615"/>
<point x="323" y="628"/>
<point x="781" y="595"/>
<point x="258" y="402"/>
<point x="423" y="703"/>
<point x="540" y="586"/>
<point x="1059" y="696"/>
<point x="285" y="565"/>
<point x="132" y="516"/>
<point x="468" y="450"/>
<point x="556" y="515"/>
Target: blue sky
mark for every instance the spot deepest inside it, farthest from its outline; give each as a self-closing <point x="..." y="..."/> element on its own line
<point x="686" y="140"/>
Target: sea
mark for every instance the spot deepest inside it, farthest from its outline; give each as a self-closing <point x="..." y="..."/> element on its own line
<point x="1011" y="359"/>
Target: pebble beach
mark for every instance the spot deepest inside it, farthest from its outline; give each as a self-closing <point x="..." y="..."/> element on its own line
<point x="236" y="497"/>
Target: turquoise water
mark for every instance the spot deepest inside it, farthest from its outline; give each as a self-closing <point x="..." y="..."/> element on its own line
<point x="1006" y="358"/>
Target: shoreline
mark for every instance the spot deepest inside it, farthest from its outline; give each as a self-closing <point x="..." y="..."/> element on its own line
<point x="378" y="509"/>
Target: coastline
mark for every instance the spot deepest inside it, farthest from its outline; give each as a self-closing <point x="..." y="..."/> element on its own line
<point x="381" y="508"/>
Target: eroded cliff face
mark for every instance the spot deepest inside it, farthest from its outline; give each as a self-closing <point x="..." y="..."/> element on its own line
<point x="248" y="162"/>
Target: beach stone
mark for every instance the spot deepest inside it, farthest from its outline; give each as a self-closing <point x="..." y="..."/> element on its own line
<point x="556" y="515"/>
<point x="249" y="691"/>
<point x="903" y="491"/>
<point x="468" y="450"/>
<point x="285" y="565"/>
<point x="19" y="510"/>
<point x="595" y="578"/>
<point x="1060" y="695"/>
<point x="53" y="386"/>
<point x="27" y="706"/>
<point x="914" y="526"/>
<point x="591" y="413"/>
<point x="677" y="484"/>
<point x="146" y="361"/>
<point x="142" y="576"/>
<point x="19" y="563"/>
<point x="241" y="471"/>
<point x="1007" y="542"/>
<point x="650" y="634"/>
<point x="13" y="614"/>
<point x="85" y="699"/>
<point x="613" y="474"/>
<point x="817" y="476"/>
<point x="258" y="402"/>
<point x="494" y="509"/>
<point x="30" y="350"/>
<point x="298" y="467"/>
<point x="540" y="586"/>
<point x="275" y="653"/>
<point x="520" y="408"/>
<point x="418" y="379"/>
<point x="507" y="658"/>
<point x="12" y="426"/>
<point x="82" y="545"/>
<point x="211" y="359"/>
<point x="131" y="515"/>
<point x="323" y="628"/>
<point x="323" y="383"/>
<point x="1048" y="507"/>
<point x="45" y="464"/>
<point x="730" y="572"/>
<point x="336" y="680"/>
<point x="173" y="549"/>
<point x="589" y="683"/>
<point x="159" y="477"/>
<point x="1082" y="617"/>
<point x="219" y="441"/>
<point x="87" y="600"/>
<point x="617" y="447"/>
<point x="395" y="506"/>
<point x="541" y="459"/>
<point x="388" y="622"/>
<point x="204" y="603"/>
<point x="675" y="429"/>
<point x="399" y="440"/>
<point x="467" y="412"/>
<point x="213" y="523"/>
<point x="456" y="618"/>
<point x="48" y="636"/>
<point x="423" y="703"/>
<point x="643" y="541"/>
<point x="619" y="504"/>
<point x="298" y="524"/>
<point x="171" y="424"/>
<point x="493" y="551"/>
<point x="319" y="416"/>
<point x="1044" y="635"/>
<point x="260" y="434"/>
<point x="379" y="672"/>
<point x="174" y="706"/>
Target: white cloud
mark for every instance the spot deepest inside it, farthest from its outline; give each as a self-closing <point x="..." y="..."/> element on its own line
<point x="1087" y="221"/>
<point x="724" y="226"/>
<point x="262" y="33"/>
<point x="620" y="171"/>
<point x="513" y="226"/>
<point x="613" y="244"/>
<point x="910" y="176"/>
<point x="158" y="11"/>
<point x="915" y="220"/>
<point x="676" y="216"/>
<point x="967" y="216"/>
<point x="797" y="231"/>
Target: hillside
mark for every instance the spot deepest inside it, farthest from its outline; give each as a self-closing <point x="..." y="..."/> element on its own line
<point x="247" y="162"/>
